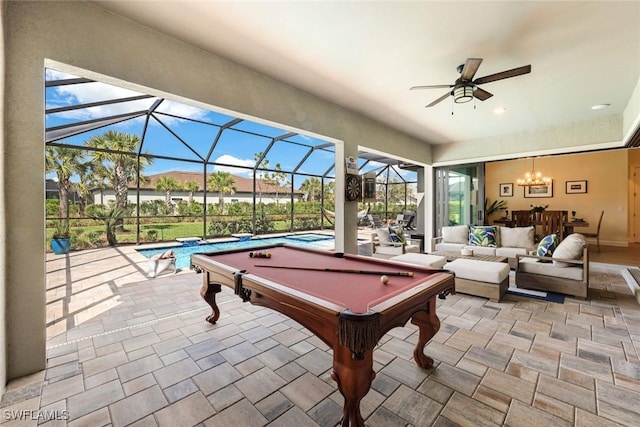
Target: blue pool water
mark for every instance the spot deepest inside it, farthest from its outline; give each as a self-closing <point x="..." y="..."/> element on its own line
<point x="183" y="252"/>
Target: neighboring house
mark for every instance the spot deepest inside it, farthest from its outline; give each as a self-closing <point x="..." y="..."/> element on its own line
<point x="52" y="191"/>
<point x="243" y="193"/>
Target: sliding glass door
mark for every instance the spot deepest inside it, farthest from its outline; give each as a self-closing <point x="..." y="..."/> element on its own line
<point x="459" y="195"/>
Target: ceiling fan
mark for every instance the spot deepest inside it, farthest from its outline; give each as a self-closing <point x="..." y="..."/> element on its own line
<point x="465" y="88"/>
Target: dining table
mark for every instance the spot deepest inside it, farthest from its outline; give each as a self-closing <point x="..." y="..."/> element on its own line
<point x="568" y="225"/>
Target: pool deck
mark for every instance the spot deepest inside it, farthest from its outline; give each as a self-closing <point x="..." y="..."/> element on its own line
<point x="123" y="349"/>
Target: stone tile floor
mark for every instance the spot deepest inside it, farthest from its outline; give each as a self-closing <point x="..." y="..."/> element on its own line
<point x="126" y="350"/>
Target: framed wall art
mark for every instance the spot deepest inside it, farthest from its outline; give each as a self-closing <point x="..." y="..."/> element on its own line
<point x="506" y="190"/>
<point x="576" y="187"/>
<point x="536" y="191"/>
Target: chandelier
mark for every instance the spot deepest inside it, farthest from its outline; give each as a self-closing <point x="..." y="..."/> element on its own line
<point x="534" y="177"/>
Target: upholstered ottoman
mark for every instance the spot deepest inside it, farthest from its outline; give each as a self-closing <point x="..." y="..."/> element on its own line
<point x="481" y="278"/>
<point x="434" y="261"/>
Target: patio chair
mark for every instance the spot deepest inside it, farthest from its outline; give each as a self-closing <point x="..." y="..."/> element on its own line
<point x="384" y="245"/>
<point x="409" y="218"/>
<point x="375" y="221"/>
<point x="565" y="272"/>
<point x="596" y="235"/>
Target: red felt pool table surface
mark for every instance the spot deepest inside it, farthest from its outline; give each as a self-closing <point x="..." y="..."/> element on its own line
<point x="357" y="292"/>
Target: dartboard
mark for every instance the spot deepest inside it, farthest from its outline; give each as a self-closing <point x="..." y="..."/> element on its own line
<point x="353" y="188"/>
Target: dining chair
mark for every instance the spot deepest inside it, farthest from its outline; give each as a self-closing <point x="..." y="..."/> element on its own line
<point x="553" y="222"/>
<point x="596" y="235"/>
<point x="521" y="218"/>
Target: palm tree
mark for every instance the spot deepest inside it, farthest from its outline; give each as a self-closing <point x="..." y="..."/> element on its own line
<point x="119" y="163"/>
<point x="167" y="184"/>
<point x="111" y="217"/>
<point x="191" y="187"/>
<point x="330" y="191"/>
<point x="223" y="183"/>
<point x="262" y="177"/>
<point x="64" y="162"/>
<point x="276" y="179"/>
<point x="311" y="188"/>
<point x="89" y="180"/>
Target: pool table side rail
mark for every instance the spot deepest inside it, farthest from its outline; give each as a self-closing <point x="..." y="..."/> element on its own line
<point x="435" y="285"/>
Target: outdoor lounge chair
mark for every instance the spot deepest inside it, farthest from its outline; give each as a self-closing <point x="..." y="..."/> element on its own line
<point x="408" y="220"/>
<point x="161" y="263"/>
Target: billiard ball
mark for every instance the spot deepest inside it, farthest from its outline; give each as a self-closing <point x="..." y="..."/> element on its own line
<point x="384" y="279"/>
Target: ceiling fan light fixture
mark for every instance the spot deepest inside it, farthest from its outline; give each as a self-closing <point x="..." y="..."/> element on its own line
<point x="462" y="94"/>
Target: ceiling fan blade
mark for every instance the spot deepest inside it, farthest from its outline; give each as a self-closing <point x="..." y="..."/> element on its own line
<point x="431" y="87"/>
<point x="482" y="94"/>
<point x="442" y="98"/>
<point x="470" y="68"/>
<point x="504" y="75"/>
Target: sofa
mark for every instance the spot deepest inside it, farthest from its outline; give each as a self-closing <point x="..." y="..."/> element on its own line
<point x="565" y="271"/>
<point x="487" y="240"/>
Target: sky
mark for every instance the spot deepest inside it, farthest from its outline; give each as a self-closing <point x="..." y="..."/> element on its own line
<point x="164" y="134"/>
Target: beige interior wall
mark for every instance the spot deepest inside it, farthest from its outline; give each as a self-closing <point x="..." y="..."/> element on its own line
<point x="606" y="173"/>
<point x="82" y="35"/>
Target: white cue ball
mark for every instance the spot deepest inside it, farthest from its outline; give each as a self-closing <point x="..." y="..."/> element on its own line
<point x="384" y="280"/>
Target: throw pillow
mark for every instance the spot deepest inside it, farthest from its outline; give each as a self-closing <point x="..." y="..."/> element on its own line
<point x="455" y="234"/>
<point x="482" y="236"/>
<point x="396" y="235"/>
<point x="517" y="237"/>
<point x="547" y="245"/>
<point x="570" y="248"/>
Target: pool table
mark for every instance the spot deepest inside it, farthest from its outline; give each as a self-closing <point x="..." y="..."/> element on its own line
<point x="340" y="298"/>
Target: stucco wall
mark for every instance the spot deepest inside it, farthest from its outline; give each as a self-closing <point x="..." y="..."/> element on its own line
<point x="3" y="246"/>
<point x="82" y="35"/>
<point x="598" y="134"/>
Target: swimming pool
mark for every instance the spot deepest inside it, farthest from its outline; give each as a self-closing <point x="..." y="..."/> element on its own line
<point x="183" y="253"/>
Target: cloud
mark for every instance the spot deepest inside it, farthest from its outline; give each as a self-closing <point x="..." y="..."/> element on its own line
<point x="95" y="92"/>
<point x="228" y="159"/>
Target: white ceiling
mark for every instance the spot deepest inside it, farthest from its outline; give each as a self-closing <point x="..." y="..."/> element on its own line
<point x="366" y="55"/>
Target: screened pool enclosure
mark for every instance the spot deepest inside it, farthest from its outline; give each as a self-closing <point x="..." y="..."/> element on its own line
<point x="128" y="167"/>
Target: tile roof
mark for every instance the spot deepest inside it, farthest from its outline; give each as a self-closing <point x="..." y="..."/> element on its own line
<point x="242" y="184"/>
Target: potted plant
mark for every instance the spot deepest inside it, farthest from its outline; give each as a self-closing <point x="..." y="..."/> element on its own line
<point x="493" y="207"/>
<point x="61" y="239"/>
<point x="537" y="211"/>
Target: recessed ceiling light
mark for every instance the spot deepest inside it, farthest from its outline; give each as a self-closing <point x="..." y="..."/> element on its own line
<point x="600" y="106"/>
<point x="499" y="110"/>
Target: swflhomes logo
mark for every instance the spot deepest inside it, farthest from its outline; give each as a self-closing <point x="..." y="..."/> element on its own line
<point x="40" y="415"/>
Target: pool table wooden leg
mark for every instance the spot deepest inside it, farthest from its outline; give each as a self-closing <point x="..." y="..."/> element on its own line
<point x="208" y="293"/>
<point x="354" y="378"/>
<point x="428" y="323"/>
